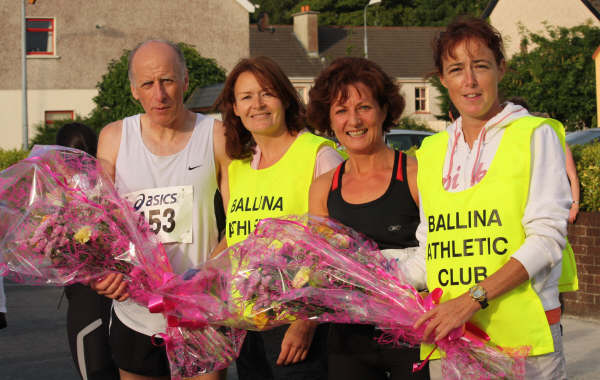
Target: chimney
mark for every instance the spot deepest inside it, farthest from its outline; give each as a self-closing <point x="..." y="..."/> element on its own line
<point x="306" y="29"/>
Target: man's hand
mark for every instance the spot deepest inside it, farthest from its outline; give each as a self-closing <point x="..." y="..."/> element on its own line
<point x="447" y="316"/>
<point x="112" y="286"/>
<point x="296" y="342"/>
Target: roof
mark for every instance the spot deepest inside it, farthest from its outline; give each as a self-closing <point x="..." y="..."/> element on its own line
<point x="592" y="5"/>
<point x="203" y="99"/>
<point x="247" y="5"/>
<point x="402" y="52"/>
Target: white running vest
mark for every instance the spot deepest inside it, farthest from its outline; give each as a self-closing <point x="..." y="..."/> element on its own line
<point x="176" y="195"/>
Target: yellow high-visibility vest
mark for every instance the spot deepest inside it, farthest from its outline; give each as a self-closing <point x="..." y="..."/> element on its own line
<point x="281" y="189"/>
<point x="474" y="232"/>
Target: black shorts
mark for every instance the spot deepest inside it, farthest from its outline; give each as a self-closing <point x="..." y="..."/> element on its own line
<point x="88" y="317"/>
<point x="259" y="353"/>
<point x="354" y="354"/>
<point x="134" y="352"/>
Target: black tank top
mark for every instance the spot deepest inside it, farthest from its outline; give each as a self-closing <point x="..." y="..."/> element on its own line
<point x="390" y="220"/>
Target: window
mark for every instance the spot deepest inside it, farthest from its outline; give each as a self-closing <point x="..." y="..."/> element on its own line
<point x="420" y="99"/>
<point x="301" y="93"/>
<point x="52" y="116"/>
<point x="40" y="36"/>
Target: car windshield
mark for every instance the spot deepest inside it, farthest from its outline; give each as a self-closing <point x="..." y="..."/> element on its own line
<point x="583" y="137"/>
<point x="404" y="142"/>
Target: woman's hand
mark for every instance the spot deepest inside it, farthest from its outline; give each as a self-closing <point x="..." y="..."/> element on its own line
<point x="573" y="211"/>
<point x="446" y="317"/>
<point x="296" y="342"/>
<point x="112" y="286"/>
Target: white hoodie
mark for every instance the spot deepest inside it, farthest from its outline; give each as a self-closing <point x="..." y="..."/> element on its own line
<point x="547" y="209"/>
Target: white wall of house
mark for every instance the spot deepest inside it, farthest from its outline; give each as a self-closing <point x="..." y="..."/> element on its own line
<point x="432" y="108"/>
<point x="38" y="102"/>
<point x="509" y="14"/>
<point x="302" y="85"/>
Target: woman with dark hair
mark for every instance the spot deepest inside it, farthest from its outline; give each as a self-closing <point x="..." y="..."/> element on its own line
<point x="373" y="191"/>
<point x="275" y="159"/>
<point x="494" y="206"/>
<point x="88" y="314"/>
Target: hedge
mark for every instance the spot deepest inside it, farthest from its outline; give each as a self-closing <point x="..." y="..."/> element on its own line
<point x="9" y="157"/>
<point x="587" y="159"/>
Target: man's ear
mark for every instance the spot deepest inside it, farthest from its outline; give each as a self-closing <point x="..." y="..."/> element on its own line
<point x="186" y="81"/>
<point x="134" y="91"/>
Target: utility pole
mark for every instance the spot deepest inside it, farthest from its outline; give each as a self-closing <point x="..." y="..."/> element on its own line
<point x="371" y="2"/>
<point x="25" y="133"/>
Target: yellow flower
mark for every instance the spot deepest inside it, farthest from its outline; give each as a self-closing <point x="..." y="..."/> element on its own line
<point x="83" y="234"/>
<point x="301" y="278"/>
<point x="260" y="320"/>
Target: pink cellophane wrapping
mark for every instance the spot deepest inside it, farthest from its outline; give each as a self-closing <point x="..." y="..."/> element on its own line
<point x="313" y="268"/>
<point x="62" y="222"/>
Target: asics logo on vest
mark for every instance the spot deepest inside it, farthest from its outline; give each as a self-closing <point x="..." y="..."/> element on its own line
<point x="194" y="167"/>
<point x="156" y="200"/>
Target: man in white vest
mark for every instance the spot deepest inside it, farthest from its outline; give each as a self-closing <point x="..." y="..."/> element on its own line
<point x="168" y="162"/>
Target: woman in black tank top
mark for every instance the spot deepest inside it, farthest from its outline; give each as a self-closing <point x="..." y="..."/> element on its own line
<point x="374" y="192"/>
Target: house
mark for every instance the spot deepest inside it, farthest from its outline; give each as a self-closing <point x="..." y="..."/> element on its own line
<point x="510" y="16"/>
<point x="596" y="58"/>
<point x="70" y="43"/>
<point x="305" y="48"/>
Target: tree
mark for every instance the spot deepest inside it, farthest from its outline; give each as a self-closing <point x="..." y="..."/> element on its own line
<point x="558" y="75"/>
<point x="443" y="98"/>
<point x="114" y="100"/>
<point x="387" y="13"/>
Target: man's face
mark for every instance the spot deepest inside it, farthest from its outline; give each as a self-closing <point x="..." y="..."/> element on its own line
<point x="159" y="83"/>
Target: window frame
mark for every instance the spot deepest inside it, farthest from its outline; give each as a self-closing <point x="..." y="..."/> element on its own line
<point x="421" y="98"/>
<point x="52" y="30"/>
<point x="50" y="122"/>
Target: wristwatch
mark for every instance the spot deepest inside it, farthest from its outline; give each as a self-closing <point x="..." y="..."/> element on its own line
<point x="479" y="294"/>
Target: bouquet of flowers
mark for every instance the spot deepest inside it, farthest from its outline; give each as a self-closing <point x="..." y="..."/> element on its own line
<point x="62" y="222"/>
<point x="314" y="268"/>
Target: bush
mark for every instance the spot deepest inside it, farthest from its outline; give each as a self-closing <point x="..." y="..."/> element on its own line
<point x="10" y="157"/>
<point x="114" y="100"/>
<point x="45" y="134"/>
<point x="587" y="159"/>
<point x="409" y="123"/>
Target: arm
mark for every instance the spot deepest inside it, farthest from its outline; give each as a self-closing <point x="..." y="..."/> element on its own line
<point x="574" y="181"/>
<point x="111" y="286"/>
<point x="544" y="221"/>
<point x="411" y="173"/>
<point x="222" y="161"/>
<point x="318" y="193"/>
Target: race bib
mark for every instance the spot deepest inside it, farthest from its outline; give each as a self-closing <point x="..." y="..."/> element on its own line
<point x="167" y="210"/>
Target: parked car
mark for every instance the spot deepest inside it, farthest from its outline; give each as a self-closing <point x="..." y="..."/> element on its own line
<point x="583" y="137"/>
<point x="404" y="139"/>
